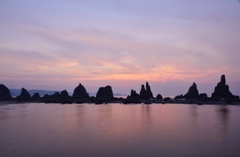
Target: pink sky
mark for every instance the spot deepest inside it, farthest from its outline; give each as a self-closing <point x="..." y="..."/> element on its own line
<point x="57" y="44"/>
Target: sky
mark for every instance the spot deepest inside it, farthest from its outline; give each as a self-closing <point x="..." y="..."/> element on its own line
<point x="57" y="44"/>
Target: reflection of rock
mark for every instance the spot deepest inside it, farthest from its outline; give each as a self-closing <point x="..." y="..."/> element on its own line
<point x="192" y="92"/>
<point x="146" y="93"/>
<point x="224" y="113"/>
<point x="222" y="89"/>
<point x="105" y="93"/>
<point x="4" y="93"/>
<point x="159" y="97"/>
<point x="24" y="94"/>
<point x="80" y="92"/>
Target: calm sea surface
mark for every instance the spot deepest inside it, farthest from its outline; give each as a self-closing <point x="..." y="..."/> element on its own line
<point x="117" y="130"/>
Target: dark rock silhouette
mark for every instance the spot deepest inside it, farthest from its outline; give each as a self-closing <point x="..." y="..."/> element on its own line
<point x="56" y="95"/>
<point x="46" y="96"/>
<point x="80" y="92"/>
<point x="4" y="93"/>
<point x="192" y="92"/>
<point x="36" y="96"/>
<point x="24" y="95"/>
<point x="146" y="93"/>
<point x="143" y="92"/>
<point x="64" y="94"/>
<point x="134" y="95"/>
<point x="105" y="93"/>
<point x="203" y="96"/>
<point x="222" y="89"/>
<point x="159" y="97"/>
<point x="149" y="93"/>
<point x="16" y="92"/>
<point x="179" y="97"/>
<point x="167" y="99"/>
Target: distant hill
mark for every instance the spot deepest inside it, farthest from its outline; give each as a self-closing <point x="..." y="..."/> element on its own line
<point x="16" y="92"/>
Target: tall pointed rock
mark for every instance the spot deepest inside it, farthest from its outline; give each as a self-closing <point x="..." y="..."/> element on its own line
<point x="222" y="89"/>
<point x="192" y="92"/>
<point x="4" y="93"/>
<point x="143" y="92"/>
<point x="146" y="93"/>
<point x="24" y="94"/>
<point x="149" y="93"/>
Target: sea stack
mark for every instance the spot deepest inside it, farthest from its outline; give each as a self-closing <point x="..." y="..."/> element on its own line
<point x="80" y="92"/>
<point x="134" y="95"/>
<point x="105" y="93"/>
<point x="64" y="94"/>
<point x="143" y="92"/>
<point x="146" y="93"/>
<point x="24" y="95"/>
<point x="36" y="96"/>
<point x="159" y="97"/>
<point x="192" y="92"/>
<point x="222" y="89"/>
<point x="4" y="93"/>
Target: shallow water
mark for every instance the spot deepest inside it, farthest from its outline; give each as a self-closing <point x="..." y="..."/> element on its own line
<point x="119" y="130"/>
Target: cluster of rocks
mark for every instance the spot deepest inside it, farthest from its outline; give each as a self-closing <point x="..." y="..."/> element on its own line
<point x="221" y="92"/>
<point x="80" y="95"/>
<point x="145" y="93"/>
<point x="105" y="95"/>
<point x="145" y="96"/>
<point x="192" y="94"/>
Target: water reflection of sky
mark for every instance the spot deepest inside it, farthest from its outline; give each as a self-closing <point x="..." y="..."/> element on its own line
<point x="119" y="130"/>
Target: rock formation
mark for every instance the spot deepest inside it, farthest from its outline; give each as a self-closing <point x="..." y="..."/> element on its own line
<point x="203" y="96"/>
<point x="143" y="92"/>
<point x="46" y="96"/>
<point x="24" y="94"/>
<point x="146" y="93"/>
<point x="179" y="97"/>
<point x="222" y="89"/>
<point x="80" y="92"/>
<point x="159" y="97"/>
<point x="192" y="92"/>
<point x="105" y="93"/>
<point x="36" y="96"/>
<point x="64" y="94"/>
<point x="134" y="95"/>
<point x="4" y="93"/>
<point x="56" y="95"/>
<point x="167" y="99"/>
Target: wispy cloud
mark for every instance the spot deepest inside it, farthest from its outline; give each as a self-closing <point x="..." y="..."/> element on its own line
<point x="119" y="41"/>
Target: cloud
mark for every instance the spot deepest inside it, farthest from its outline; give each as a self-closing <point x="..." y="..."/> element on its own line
<point x="93" y="41"/>
<point x="96" y="54"/>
